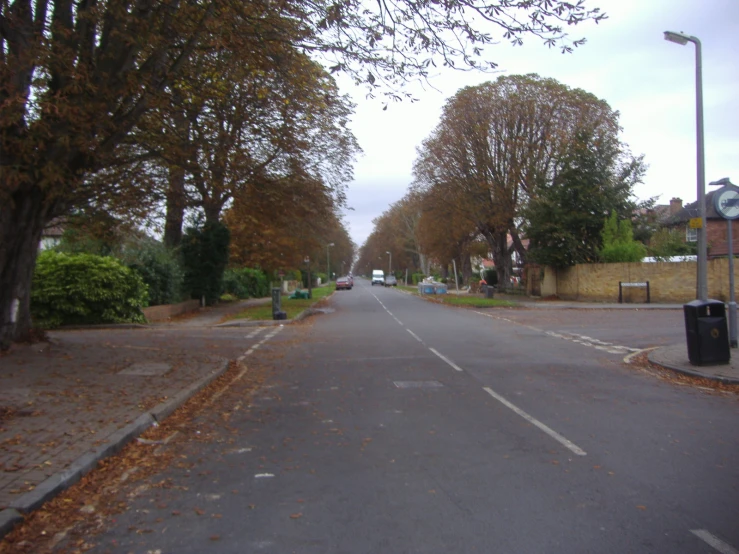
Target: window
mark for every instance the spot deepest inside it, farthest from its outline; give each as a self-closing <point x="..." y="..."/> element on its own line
<point x="691" y="235"/>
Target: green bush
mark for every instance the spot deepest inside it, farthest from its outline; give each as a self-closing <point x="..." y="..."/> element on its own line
<point x="618" y="242"/>
<point x="83" y="289"/>
<point x="293" y="275"/>
<point x="246" y="283"/>
<point x="160" y="269"/>
<point x="417" y="278"/>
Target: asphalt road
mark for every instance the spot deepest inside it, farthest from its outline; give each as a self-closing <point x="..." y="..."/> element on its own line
<point x="396" y="425"/>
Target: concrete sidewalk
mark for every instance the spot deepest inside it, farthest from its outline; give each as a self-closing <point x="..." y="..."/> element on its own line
<point x="69" y="402"/>
<point x="675" y="357"/>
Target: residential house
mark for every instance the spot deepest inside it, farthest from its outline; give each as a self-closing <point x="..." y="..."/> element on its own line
<point x="52" y="234"/>
<point x="716" y="228"/>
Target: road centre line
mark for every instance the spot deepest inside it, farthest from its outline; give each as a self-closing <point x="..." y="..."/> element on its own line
<point x="447" y="360"/>
<point x="714" y="541"/>
<point x="551" y="432"/>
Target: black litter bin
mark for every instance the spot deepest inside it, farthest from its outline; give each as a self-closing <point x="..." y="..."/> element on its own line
<point x="706" y="332"/>
<point x="489" y="291"/>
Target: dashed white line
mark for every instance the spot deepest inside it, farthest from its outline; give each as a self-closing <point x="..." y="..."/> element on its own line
<point x="551" y="432"/>
<point x="714" y="541"/>
<point x="447" y="360"/>
<point x="415" y="336"/>
<point x="244" y="369"/>
<point x="255" y="332"/>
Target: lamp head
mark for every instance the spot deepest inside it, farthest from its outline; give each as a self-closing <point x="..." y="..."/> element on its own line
<point x="677" y="38"/>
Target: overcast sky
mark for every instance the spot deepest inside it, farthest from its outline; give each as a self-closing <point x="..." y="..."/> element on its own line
<point x="625" y="61"/>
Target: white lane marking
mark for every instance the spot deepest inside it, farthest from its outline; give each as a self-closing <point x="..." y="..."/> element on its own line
<point x="593" y="343"/>
<point x="244" y="369"/>
<point x="551" y="432"/>
<point x="415" y="336"/>
<point x="714" y="541"/>
<point x="255" y="332"/>
<point x="573" y="337"/>
<point x="447" y="360"/>
<point x="264" y="475"/>
<point x="627" y="359"/>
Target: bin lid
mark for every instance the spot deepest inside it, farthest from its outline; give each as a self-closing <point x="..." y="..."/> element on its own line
<point x="699" y="303"/>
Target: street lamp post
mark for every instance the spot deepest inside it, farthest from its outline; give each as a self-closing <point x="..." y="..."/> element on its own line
<point x="310" y="285"/>
<point x="702" y="276"/>
<point x="390" y="262"/>
<point x="328" y="264"/>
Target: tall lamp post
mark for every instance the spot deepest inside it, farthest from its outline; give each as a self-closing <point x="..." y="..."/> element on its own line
<point x="328" y="264"/>
<point x="702" y="277"/>
<point x="390" y="262"/>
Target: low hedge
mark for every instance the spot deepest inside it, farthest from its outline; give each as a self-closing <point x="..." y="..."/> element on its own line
<point x="246" y="283"/>
<point x="83" y="289"/>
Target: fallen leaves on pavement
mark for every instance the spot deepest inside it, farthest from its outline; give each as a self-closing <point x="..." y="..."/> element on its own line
<point x="76" y="515"/>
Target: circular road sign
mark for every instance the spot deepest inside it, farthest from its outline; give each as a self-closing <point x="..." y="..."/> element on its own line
<point x="726" y="202"/>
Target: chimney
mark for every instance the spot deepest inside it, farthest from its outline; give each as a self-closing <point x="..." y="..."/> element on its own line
<point x="676" y="204"/>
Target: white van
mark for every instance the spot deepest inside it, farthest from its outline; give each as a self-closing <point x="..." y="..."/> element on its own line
<point x="378" y="277"/>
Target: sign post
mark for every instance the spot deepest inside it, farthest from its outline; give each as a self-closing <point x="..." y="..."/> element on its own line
<point x="726" y="202"/>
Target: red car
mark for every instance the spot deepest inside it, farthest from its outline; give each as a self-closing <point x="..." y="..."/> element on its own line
<point x="343" y="283"/>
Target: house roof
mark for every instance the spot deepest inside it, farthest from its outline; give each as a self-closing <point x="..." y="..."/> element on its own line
<point x="691" y="210"/>
<point x="55" y="228"/>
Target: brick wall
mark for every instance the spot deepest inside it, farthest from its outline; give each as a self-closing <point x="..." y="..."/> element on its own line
<point x="668" y="282"/>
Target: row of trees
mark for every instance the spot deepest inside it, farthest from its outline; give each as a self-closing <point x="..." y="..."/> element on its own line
<point x="519" y="157"/>
<point x="149" y="106"/>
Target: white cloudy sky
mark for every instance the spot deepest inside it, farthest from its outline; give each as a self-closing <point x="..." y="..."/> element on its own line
<point x="625" y="61"/>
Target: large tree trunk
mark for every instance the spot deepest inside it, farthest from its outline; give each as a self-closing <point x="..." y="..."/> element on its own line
<point x="22" y="221"/>
<point x="175" y="207"/>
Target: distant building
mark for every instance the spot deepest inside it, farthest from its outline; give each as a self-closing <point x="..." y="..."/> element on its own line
<point x="52" y="234"/>
<point x="716" y="227"/>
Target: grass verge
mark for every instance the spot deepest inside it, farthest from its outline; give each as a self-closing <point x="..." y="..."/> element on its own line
<point x="471" y="301"/>
<point x="292" y="307"/>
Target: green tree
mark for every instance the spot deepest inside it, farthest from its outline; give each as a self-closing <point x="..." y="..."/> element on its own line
<point x="618" y="242"/>
<point x="204" y="256"/>
<point x="669" y="242"/>
<point x="564" y="220"/>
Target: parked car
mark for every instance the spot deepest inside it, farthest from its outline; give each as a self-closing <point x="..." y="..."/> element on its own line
<point x="391" y="281"/>
<point x="343" y="283"/>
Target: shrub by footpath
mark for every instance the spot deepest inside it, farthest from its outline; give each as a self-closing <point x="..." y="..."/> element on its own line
<point x="160" y="269"/>
<point x="245" y="283"/>
<point x="83" y="289"/>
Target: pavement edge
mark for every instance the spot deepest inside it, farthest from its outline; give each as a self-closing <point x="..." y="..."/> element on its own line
<point x="14" y="513"/>
<point x="655" y="357"/>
